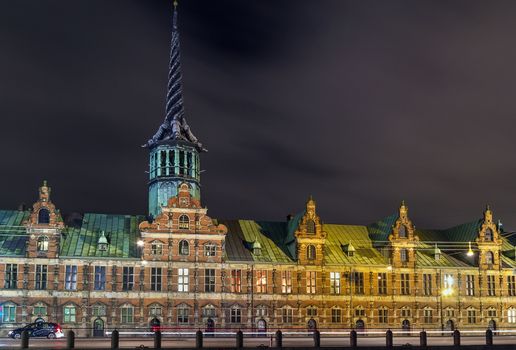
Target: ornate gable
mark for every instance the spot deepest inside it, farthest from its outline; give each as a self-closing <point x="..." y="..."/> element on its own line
<point x="403" y="240"/>
<point x="187" y="228"/>
<point x="489" y="243"/>
<point x="44" y="226"/>
<point x="310" y="236"/>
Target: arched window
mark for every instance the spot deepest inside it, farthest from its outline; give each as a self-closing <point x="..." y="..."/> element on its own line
<point x="184" y="222"/>
<point x="488" y="235"/>
<point x="489" y="258"/>
<point x="402" y="232"/>
<point x="310" y="227"/>
<point x="184" y="248"/>
<point x="42" y="245"/>
<point x="156" y="248"/>
<point x="43" y="216"/>
<point x="310" y="252"/>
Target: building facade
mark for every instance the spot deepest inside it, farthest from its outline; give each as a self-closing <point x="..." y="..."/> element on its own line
<point x="176" y="267"/>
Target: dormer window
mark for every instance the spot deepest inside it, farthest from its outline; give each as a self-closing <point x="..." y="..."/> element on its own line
<point x="42" y="245"/>
<point x="43" y="216"/>
<point x="256" y="247"/>
<point x="156" y="248"/>
<point x="402" y="232"/>
<point x="102" y="243"/>
<point x="488" y="235"/>
<point x="184" y="222"/>
<point x="310" y="252"/>
<point x="184" y="248"/>
<point x="310" y="227"/>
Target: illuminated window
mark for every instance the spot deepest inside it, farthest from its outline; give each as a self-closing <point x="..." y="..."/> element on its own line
<point x="182" y="280"/>
<point x="310" y="282"/>
<point x="286" y="282"/>
<point x="156" y="248"/>
<point x="184" y="222"/>
<point x="491" y="290"/>
<point x="511" y="315"/>
<point x="310" y="227"/>
<point x="43" y="216"/>
<point x="236" y="281"/>
<point x="209" y="311"/>
<point x="71" y="277"/>
<point x="42" y="244"/>
<point x="335" y="282"/>
<point x="184" y="248"/>
<point x="310" y="252"/>
<point x="403" y="255"/>
<point x="261" y="281"/>
<point x="261" y="310"/>
<point x="470" y="285"/>
<point x="69" y="314"/>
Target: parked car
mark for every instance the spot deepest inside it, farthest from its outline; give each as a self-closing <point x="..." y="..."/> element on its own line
<point x="39" y="329"/>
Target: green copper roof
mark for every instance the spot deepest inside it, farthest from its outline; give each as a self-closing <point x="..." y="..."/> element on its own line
<point x="13" y="237"/>
<point x="121" y="232"/>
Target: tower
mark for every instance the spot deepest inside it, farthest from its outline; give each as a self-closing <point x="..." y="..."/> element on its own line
<point x="173" y="150"/>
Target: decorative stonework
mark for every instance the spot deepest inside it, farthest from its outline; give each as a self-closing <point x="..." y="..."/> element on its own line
<point x="403" y="240"/>
<point x="310" y="236"/>
<point x="489" y="243"/>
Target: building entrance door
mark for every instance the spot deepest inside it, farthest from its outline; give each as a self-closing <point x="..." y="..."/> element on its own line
<point x="312" y="325"/>
<point x="98" y="327"/>
<point x="450" y="326"/>
<point x="492" y="325"/>
<point x="360" y="325"/>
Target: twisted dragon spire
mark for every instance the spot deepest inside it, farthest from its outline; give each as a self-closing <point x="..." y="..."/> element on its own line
<point x="175" y="127"/>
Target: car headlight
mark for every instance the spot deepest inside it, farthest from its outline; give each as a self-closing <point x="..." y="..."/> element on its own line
<point x="10" y="332"/>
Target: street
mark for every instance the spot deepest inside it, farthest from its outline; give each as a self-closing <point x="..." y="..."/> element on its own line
<point x="173" y="342"/>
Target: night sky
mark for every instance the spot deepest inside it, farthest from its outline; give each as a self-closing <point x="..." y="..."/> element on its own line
<point x="359" y="103"/>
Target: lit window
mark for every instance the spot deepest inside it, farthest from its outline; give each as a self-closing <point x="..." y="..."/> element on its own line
<point x="310" y="227"/>
<point x="335" y="282"/>
<point x="182" y="280"/>
<point x="489" y="258"/>
<point x="42" y="245"/>
<point x="209" y="311"/>
<point x="511" y="315"/>
<point x="310" y="252"/>
<point x="184" y="222"/>
<point x="156" y="248"/>
<point x="286" y="282"/>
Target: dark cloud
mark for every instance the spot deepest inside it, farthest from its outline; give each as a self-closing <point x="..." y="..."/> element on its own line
<point x="359" y="103"/>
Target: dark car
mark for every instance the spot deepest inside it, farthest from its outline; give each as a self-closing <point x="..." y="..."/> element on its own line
<point x="39" y="329"/>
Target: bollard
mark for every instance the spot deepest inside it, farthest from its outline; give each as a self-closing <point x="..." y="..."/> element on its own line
<point x="353" y="338"/>
<point x="239" y="339"/>
<point x="25" y="339"/>
<point x="157" y="339"/>
<point x="489" y="337"/>
<point x="198" y="339"/>
<point x="114" y="339"/>
<point x="422" y="339"/>
<point x="70" y="339"/>
<point x="279" y="339"/>
<point x="388" y="338"/>
<point x="317" y="339"/>
<point x="456" y="337"/>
